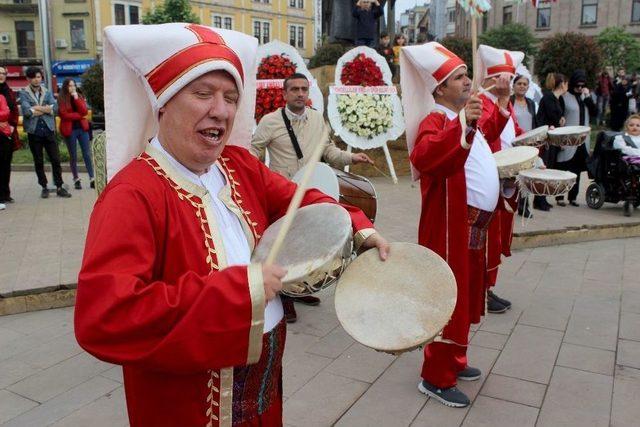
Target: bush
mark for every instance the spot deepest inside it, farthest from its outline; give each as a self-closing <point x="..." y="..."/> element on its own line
<point x="327" y="54"/>
<point x="566" y="52"/>
<point x="620" y="49"/>
<point x="461" y="47"/>
<point x="93" y="87"/>
<point x="516" y="37"/>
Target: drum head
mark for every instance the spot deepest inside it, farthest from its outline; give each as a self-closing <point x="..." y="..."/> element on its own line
<point x="323" y="178"/>
<point x="399" y="304"/>
<point x="318" y="233"/>
<point x="534" y="137"/>
<point x="569" y="130"/>
<point x="515" y="155"/>
<point x="548" y="174"/>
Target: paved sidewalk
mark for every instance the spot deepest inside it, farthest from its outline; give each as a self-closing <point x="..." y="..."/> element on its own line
<point x="42" y="240"/>
<point x="567" y="354"/>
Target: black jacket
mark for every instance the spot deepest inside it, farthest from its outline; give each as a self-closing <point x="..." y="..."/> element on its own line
<point x="367" y="21"/>
<point x="551" y="109"/>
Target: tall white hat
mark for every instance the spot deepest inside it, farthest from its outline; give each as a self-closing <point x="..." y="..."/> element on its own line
<point x="497" y="61"/>
<point x="422" y="69"/>
<point x="146" y="65"/>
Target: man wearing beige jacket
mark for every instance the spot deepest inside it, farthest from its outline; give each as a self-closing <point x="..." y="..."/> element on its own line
<point x="290" y="135"/>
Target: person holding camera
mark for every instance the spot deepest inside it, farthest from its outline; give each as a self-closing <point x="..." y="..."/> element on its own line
<point x="366" y="13"/>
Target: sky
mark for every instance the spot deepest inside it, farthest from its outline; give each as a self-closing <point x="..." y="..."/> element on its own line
<point x="402" y="5"/>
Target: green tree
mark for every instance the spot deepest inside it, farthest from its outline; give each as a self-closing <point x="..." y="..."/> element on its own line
<point x="461" y="47"/>
<point x="566" y="52"/>
<point x="516" y="37"/>
<point x="171" y="11"/>
<point x="327" y="54"/>
<point x="620" y="49"/>
<point x="93" y="87"/>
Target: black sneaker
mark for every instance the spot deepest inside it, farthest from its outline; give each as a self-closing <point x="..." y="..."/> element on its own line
<point x="469" y="374"/>
<point x="502" y="301"/>
<point x="92" y="183"/>
<point x="63" y="193"/>
<point x="45" y="193"/>
<point x="7" y="200"/>
<point x="493" y="306"/>
<point x="447" y="396"/>
<point x="77" y="184"/>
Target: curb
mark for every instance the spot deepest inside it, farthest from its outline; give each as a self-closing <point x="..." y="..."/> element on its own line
<point x="24" y="167"/>
<point x="65" y="295"/>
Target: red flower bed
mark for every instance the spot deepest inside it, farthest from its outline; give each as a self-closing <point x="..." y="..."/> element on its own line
<point x="272" y="67"/>
<point x="361" y="71"/>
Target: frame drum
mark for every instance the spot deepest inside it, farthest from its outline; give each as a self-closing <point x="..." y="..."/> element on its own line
<point x="399" y="304"/>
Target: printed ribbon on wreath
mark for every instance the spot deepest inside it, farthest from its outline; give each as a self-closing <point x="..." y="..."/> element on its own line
<point x="364" y="108"/>
<point x="277" y="61"/>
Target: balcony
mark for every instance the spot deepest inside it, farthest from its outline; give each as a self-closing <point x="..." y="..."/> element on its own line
<point x="19" y="6"/>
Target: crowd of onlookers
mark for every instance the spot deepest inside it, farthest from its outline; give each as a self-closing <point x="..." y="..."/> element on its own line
<point x="39" y="108"/>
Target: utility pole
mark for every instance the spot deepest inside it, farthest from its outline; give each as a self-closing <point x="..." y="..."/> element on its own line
<point x="43" y="12"/>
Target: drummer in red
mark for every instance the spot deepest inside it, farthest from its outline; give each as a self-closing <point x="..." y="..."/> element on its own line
<point x="167" y="288"/>
<point x="493" y="63"/>
<point x="460" y="191"/>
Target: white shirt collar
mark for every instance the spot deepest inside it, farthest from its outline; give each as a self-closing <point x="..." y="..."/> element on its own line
<point x="293" y="116"/>
<point x="450" y="113"/>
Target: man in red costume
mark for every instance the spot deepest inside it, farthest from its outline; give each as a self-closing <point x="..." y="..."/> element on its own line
<point x="167" y="289"/>
<point x="447" y="139"/>
<point x="493" y="63"/>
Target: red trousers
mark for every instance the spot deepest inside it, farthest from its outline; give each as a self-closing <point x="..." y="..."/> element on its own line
<point x="443" y="360"/>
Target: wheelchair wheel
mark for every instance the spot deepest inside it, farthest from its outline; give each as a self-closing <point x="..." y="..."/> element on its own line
<point x="595" y="195"/>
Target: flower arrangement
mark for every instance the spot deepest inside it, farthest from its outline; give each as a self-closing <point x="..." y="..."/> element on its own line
<point x="366" y="115"/>
<point x="272" y="67"/>
<point x="361" y="71"/>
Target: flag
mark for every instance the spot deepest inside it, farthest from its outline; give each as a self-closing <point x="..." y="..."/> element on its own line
<point x="475" y="7"/>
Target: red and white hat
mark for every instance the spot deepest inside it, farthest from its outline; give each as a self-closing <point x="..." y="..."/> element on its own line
<point x="497" y="61"/>
<point x="146" y="65"/>
<point x="422" y="69"/>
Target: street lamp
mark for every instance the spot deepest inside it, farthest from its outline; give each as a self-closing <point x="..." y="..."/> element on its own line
<point x="43" y="12"/>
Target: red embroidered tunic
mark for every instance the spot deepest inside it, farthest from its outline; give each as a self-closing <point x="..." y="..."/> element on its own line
<point x="154" y="293"/>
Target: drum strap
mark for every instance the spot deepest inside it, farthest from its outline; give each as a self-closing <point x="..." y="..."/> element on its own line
<point x="292" y="135"/>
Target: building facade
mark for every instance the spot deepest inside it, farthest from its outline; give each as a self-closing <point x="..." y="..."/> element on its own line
<point x="588" y="17"/>
<point x="413" y="26"/>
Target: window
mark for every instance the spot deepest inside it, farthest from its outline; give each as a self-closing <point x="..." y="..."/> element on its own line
<point x="635" y="11"/>
<point x="589" y="12"/>
<point x="262" y="1"/>
<point x="222" y="21"/>
<point x="25" y="39"/>
<point x="299" y="4"/>
<point x="507" y="15"/>
<point x="78" y="39"/>
<point x="296" y="36"/>
<point x="451" y="13"/>
<point x="126" y="14"/>
<point x="261" y="30"/>
<point x="544" y="15"/>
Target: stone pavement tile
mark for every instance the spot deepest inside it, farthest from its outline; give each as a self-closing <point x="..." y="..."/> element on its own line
<point x="530" y="354"/>
<point x="489" y="340"/>
<point x="547" y="312"/>
<point x="12" y="371"/>
<point x="598" y="288"/>
<point x="625" y="410"/>
<point x="64" y="404"/>
<point x="631" y="301"/>
<point x="435" y="413"/>
<point x="361" y="363"/>
<point x="587" y="359"/>
<point x="393" y="400"/>
<point x="51" y="352"/>
<point x="514" y="390"/>
<point x="333" y="344"/>
<point x="502" y="323"/>
<point x="31" y="323"/>
<point x="489" y="412"/>
<point x="603" y="272"/>
<point x="630" y="326"/>
<point x="323" y="400"/>
<point x="297" y="373"/>
<point x="576" y="398"/>
<point x="59" y="378"/>
<point x="109" y="410"/>
<point x="628" y="354"/>
<point x="594" y="322"/>
<point x="483" y="359"/>
<point x="297" y="344"/>
<point x="552" y="286"/>
<point x="318" y="321"/>
<point x="12" y="405"/>
<point x="114" y="374"/>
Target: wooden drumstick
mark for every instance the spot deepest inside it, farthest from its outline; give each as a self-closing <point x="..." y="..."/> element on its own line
<point x="296" y="200"/>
